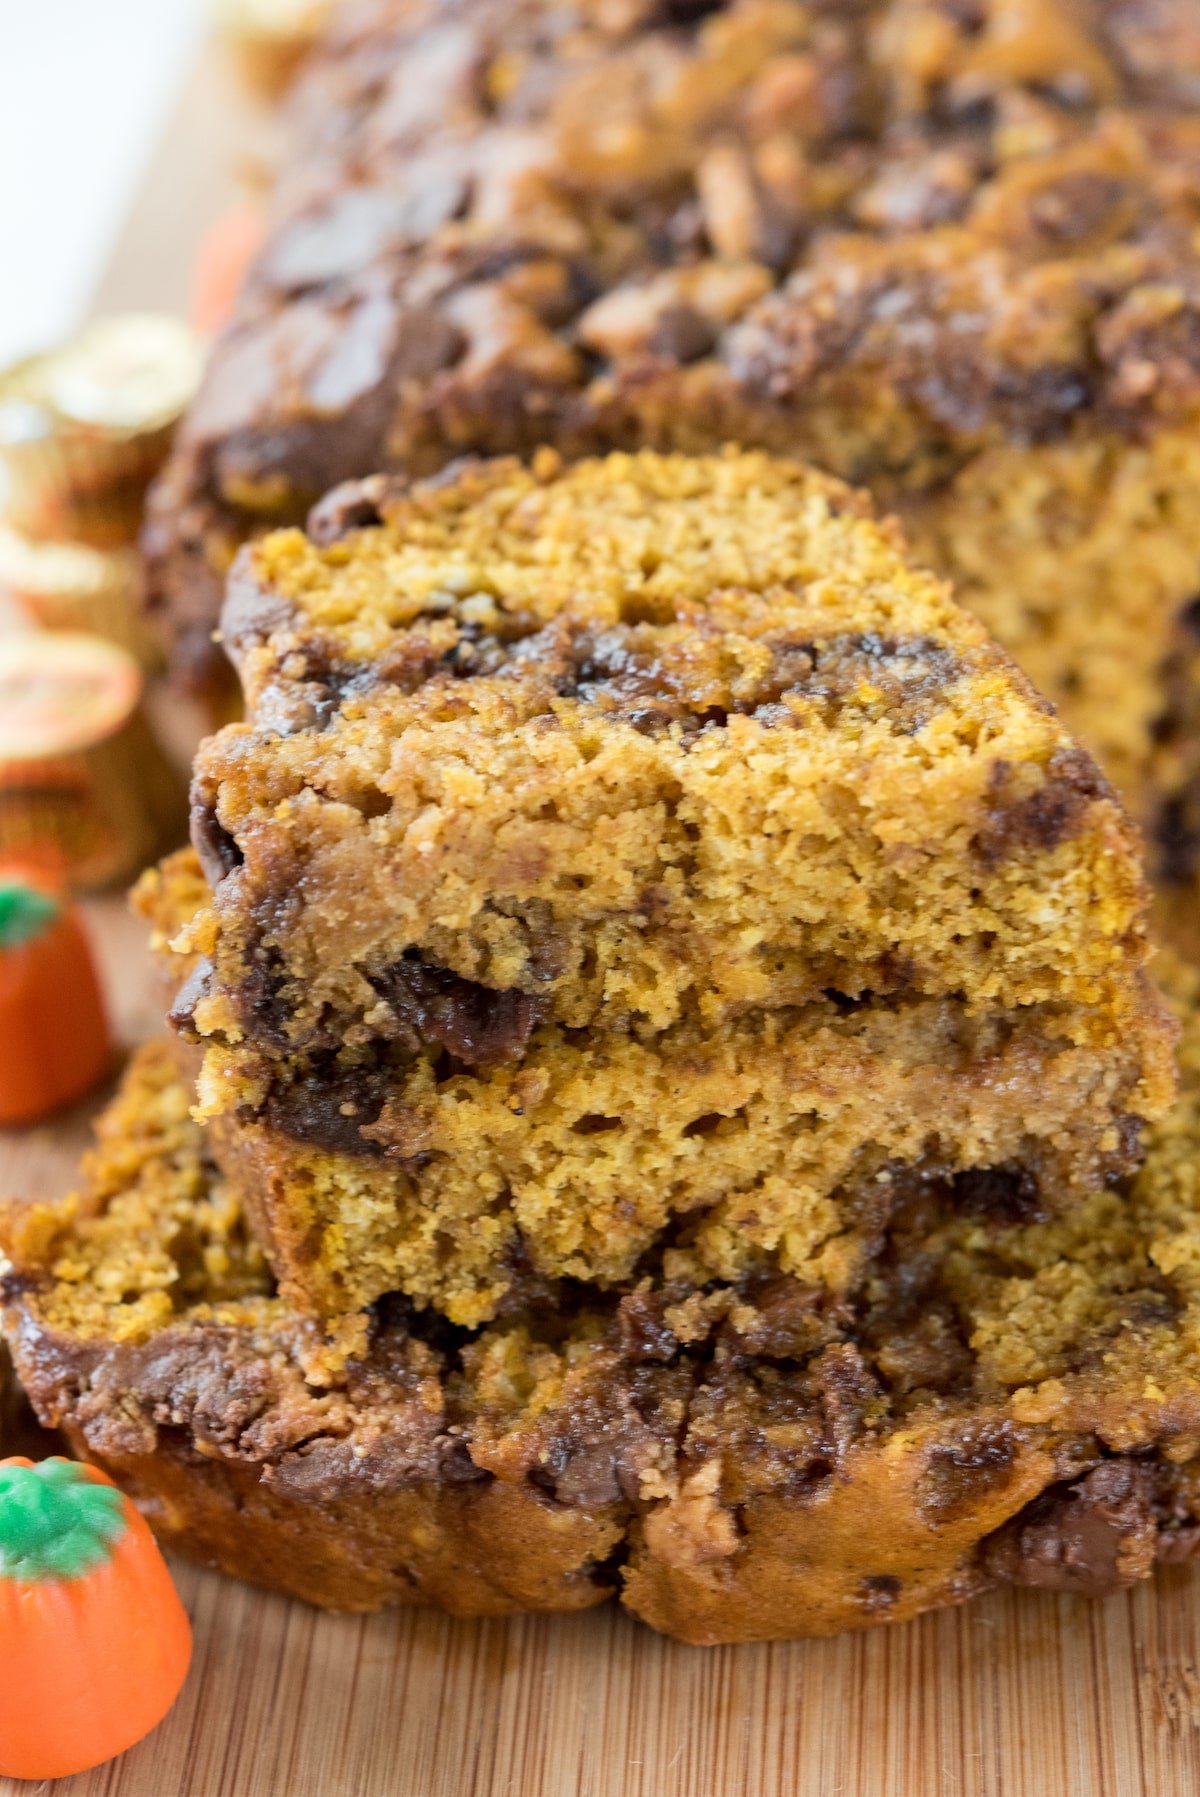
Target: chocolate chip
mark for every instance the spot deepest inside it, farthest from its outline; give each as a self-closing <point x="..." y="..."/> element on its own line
<point x="426" y="343"/>
<point x="1091" y="1537"/>
<point x="477" y="1025"/>
<point x="683" y="334"/>
<point x="1006" y="1195"/>
<point x="589" y="1478"/>
<point x="354" y="505"/>
<point x="251" y="612"/>
<point x="198" y="985"/>
<point x="329" y="1107"/>
<point x="216" y="850"/>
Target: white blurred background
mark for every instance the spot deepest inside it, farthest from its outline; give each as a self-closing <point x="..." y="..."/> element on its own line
<point x="86" y="89"/>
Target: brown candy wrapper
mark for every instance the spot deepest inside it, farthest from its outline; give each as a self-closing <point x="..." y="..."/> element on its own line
<point x="85" y="790"/>
<point x="84" y="428"/>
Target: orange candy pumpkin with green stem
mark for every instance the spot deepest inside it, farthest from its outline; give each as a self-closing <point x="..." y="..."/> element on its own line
<point x="54" y="1039"/>
<point x="94" y="1642"/>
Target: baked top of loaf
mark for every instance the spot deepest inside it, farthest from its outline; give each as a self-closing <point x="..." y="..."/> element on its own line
<point x="882" y="236"/>
<point x="994" y="1401"/>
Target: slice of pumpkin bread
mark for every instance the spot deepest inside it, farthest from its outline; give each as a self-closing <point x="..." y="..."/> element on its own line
<point x="993" y="1402"/>
<point x="640" y="859"/>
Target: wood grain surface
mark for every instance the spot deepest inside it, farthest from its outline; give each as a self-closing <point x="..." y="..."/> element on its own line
<point x="1021" y="1695"/>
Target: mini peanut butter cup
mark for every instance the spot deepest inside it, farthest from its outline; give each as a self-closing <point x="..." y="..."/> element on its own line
<point x="270" y="37"/>
<point x="84" y="428"/>
<point x="76" y="587"/>
<point x="85" y="789"/>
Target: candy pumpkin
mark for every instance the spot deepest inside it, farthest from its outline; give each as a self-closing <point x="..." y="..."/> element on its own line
<point x="94" y="1642"/>
<point x="225" y="256"/>
<point x="54" y="1039"/>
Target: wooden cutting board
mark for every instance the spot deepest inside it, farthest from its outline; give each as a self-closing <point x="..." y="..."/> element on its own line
<point x="1021" y="1695"/>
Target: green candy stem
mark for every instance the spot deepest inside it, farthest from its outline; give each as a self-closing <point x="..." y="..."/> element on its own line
<point x="55" y="1522"/>
<point x="24" y="913"/>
